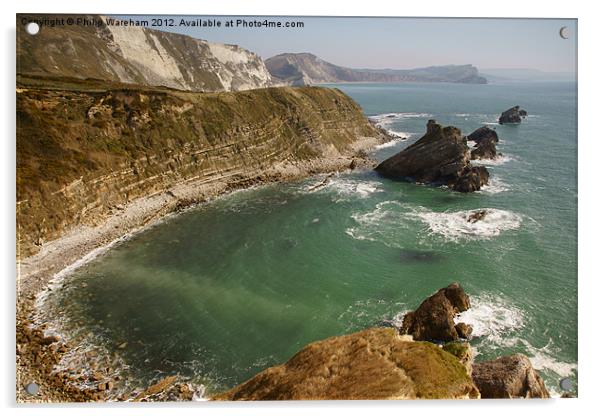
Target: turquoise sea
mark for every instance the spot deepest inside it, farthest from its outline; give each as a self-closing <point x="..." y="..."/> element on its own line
<point x="226" y="289"/>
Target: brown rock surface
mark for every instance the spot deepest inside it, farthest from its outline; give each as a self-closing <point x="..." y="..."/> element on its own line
<point x="440" y="156"/>
<point x="508" y="377"/>
<point x="375" y="364"/>
<point x="434" y="318"/>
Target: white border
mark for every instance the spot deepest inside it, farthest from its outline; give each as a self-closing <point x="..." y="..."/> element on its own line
<point x="590" y="370"/>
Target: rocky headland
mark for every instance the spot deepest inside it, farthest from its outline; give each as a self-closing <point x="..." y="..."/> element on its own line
<point x="513" y="115"/>
<point x="424" y="359"/>
<point x="307" y="69"/>
<point x="441" y="156"/>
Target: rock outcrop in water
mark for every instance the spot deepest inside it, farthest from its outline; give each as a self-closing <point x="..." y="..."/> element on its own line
<point x="483" y="133"/>
<point x="440" y="156"/>
<point x="508" y="377"/>
<point x="374" y="364"/>
<point x="485" y="140"/>
<point x="434" y="318"/>
<point x="513" y="115"/>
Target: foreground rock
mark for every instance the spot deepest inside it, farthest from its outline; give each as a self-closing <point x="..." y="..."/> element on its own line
<point x="508" y="377"/>
<point x="512" y="115"/>
<point x="375" y="364"/>
<point x="434" y="318"/>
<point x="440" y="156"/>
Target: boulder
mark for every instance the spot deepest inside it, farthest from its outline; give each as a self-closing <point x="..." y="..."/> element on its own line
<point x="434" y="318"/>
<point x="440" y="156"/>
<point x="483" y="133"/>
<point x="512" y="115"/>
<point x="508" y="377"/>
<point x="374" y="364"/>
<point x="463" y="330"/>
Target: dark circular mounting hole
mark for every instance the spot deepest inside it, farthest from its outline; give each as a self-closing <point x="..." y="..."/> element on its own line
<point x="32" y="389"/>
<point x="566" y="384"/>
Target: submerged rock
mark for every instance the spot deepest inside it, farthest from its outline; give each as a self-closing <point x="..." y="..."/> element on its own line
<point x="508" y="377"/>
<point x="373" y="364"/>
<point x="513" y="115"/>
<point x="419" y="256"/>
<point x="434" y="318"/>
<point x="440" y="156"/>
<point x="477" y="216"/>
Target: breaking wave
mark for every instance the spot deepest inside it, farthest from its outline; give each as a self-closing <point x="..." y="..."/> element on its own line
<point x="390" y="218"/>
<point x="500" y="160"/>
<point x="455" y="226"/>
<point x="492" y="318"/>
<point x="344" y="187"/>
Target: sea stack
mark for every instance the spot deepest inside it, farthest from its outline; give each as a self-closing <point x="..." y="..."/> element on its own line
<point x="434" y="318"/>
<point x="512" y="115"/>
<point x="441" y="156"/>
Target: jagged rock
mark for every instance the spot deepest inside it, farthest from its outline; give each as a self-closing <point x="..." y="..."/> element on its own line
<point x="463" y="330"/>
<point x="376" y="364"/>
<point x="440" y="156"/>
<point x="483" y="133"/>
<point x="485" y="149"/>
<point x="508" y="377"/>
<point x="513" y="115"/>
<point x="434" y="318"/>
<point x="471" y="179"/>
<point x="477" y="215"/>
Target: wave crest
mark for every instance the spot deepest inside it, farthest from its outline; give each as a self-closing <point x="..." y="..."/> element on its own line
<point x="455" y="226"/>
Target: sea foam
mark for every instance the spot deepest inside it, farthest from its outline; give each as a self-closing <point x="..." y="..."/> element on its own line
<point x="344" y="187"/>
<point x="455" y="226"/>
<point x="492" y="318"/>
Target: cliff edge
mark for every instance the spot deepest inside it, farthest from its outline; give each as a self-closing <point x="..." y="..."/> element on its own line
<point x="84" y="149"/>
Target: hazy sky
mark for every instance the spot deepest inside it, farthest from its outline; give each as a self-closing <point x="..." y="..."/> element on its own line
<point x="407" y="42"/>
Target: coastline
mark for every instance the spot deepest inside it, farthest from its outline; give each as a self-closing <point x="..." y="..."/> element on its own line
<point x="81" y="244"/>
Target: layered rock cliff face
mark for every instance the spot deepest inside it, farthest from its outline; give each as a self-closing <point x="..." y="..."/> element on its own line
<point x="307" y="69"/>
<point x="440" y="156"/>
<point x="137" y="55"/>
<point x="84" y="149"/>
<point x="375" y="364"/>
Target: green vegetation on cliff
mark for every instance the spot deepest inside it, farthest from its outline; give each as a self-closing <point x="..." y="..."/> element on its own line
<point x="374" y="364"/>
<point x="84" y="147"/>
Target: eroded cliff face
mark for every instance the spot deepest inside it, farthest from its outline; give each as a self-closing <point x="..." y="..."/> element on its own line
<point x="137" y="55"/>
<point x="85" y="149"/>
